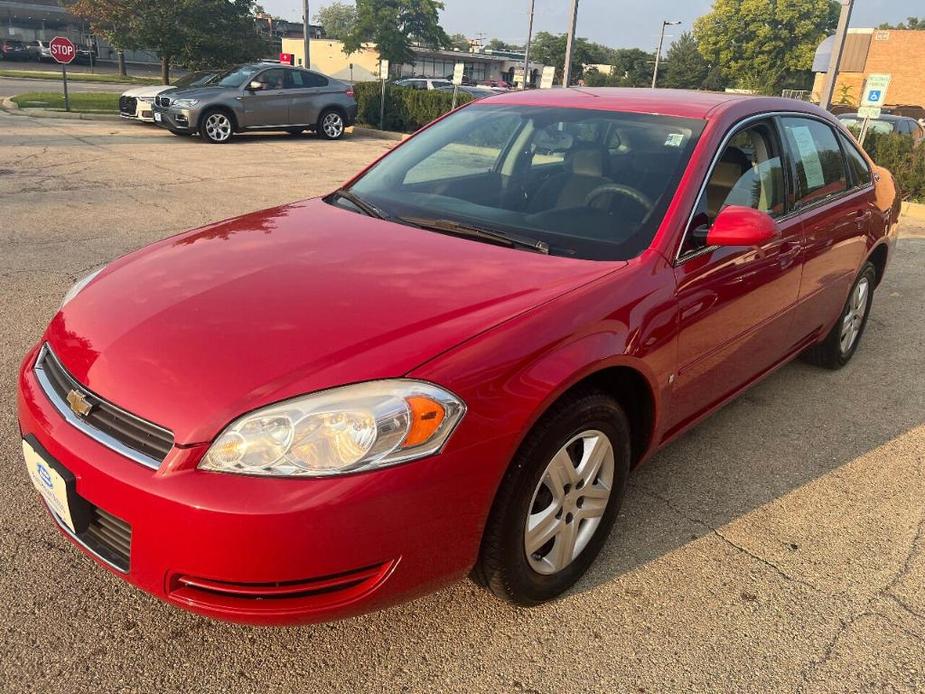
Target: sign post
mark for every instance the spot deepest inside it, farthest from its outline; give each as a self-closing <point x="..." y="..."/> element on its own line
<point x="458" y="73"/>
<point x="872" y="101"/>
<point x="64" y="52"/>
<point x="383" y="76"/>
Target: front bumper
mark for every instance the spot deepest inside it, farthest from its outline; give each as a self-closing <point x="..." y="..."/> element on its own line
<point x="178" y="120"/>
<point x="275" y="551"/>
<point x="143" y="111"/>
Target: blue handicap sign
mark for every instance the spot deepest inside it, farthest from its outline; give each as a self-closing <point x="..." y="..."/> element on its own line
<point x="874" y="95"/>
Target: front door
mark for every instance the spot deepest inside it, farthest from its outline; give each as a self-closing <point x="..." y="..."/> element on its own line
<point x="269" y="105"/>
<point x="735" y="304"/>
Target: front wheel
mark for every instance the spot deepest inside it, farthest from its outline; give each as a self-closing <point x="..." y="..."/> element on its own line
<point x="331" y="125"/>
<point x="216" y="127"/>
<point x="842" y="341"/>
<point x="558" y="501"/>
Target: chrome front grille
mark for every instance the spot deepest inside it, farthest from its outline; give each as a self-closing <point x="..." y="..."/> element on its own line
<point x="123" y="432"/>
<point x="127" y="105"/>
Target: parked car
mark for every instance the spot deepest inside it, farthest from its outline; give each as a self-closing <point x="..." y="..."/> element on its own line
<point x="39" y="50"/>
<point x="452" y="363"/>
<point x="497" y="85"/>
<point x="474" y="92"/>
<point x="137" y="103"/>
<point x="423" y="83"/>
<point x="259" y="96"/>
<point x="11" y="49"/>
<point x="887" y="124"/>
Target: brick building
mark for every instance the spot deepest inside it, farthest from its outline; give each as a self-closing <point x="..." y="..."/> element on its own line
<point x="899" y="53"/>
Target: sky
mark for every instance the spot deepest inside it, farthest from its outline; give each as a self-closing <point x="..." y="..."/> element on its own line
<point x="616" y="23"/>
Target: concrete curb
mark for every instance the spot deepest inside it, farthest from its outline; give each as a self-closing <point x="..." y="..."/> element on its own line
<point x="913" y="210"/>
<point x="380" y="134"/>
<point x="11" y="107"/>
<point x="77" y="80"/>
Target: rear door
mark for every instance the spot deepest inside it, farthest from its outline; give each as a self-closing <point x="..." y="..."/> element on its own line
<point x="836" y="207"/>
<point x="268" y="106"/>
<point x="310" y="94"/>
<point x="736" y="304"/>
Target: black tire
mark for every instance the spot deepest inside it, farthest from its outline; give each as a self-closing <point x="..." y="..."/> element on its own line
<point x="503" y="565"/>
<point x="331" y="124"/>
<point x="223" y="129"/>
<point x="295" y="131"/>
<point x="831" y="352"/>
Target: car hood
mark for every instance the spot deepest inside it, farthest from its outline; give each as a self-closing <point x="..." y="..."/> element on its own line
<point x="200" y="93"/>
<point x="200" y="328"/>
<point x="149" y="90"/>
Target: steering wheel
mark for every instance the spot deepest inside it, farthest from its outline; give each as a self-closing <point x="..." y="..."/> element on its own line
<point x="626" y="191"/>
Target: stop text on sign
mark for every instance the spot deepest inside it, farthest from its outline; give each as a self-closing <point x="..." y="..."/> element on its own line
<point x="62" y="50"/>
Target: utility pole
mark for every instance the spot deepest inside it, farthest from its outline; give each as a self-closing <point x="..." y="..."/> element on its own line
<point x="838" y="46"/>
<point x="658" y="54"/>
<point x="527" y="50"/>
<point x="570" y="45"/>
<point x="306" y="45"/>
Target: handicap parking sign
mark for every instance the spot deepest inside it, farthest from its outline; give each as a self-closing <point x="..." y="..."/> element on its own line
<point x="874" y="95"/>
<point x="875" y="90"/>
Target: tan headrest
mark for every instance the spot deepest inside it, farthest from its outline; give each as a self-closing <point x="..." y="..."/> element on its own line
<point x="588" y="162"/>
<point x="726" y="175"/>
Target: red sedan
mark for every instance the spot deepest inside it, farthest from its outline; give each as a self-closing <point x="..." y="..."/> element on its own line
<point x="451" y="364"/>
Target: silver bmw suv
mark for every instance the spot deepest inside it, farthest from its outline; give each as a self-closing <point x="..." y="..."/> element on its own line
<point x="259" y="96"/>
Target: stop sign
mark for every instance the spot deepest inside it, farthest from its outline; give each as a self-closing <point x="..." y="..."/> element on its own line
<point x="62" y="50"/>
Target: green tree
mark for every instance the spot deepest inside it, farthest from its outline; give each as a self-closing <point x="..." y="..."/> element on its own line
<point x="685" y="68"/>
<point x="765" y="44"/>
<point x="195" y="33"/>
<point x="499" y="45"/>
<point x="337" y="20"/>
<point x="395" y="26"/>
<point x="914" y="23"/>
<point x="549" y="49"/>
<point x="459" y="42"/>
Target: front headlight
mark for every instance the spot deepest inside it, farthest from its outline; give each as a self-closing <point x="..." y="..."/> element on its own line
<point x="350" y="429"/>
<point x="184" y="103"/>
<point x="79" y="286"/>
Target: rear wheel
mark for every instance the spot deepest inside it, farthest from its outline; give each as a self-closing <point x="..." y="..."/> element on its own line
<point x="216" y="127"/>
<point x="843" y="339"/>
<point x="558" y="501"/>
<point x="331" y="124"/>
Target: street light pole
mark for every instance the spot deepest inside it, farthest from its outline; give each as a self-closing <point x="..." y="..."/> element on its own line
<point x="306" y="41"/>
<point x="658" y="53"/>
<point x="825" y="100"/>
<point x="527" y="50"/>
<point x="570" y="45"/>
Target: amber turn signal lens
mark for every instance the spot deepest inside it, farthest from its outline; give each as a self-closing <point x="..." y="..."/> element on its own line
<point x="426" y="417"/>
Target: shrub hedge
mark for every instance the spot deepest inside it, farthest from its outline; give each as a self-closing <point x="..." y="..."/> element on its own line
<point x="406" y="110"/>
<point x="906" y="161"/>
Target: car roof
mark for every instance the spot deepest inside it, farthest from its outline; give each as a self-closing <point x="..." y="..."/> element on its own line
<point x="883" y="116"/>
<point x="668" y="102"/>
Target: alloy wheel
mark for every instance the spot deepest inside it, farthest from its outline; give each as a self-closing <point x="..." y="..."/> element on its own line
<point x="333" y="125"/>
<point x="569" y="501"/>
<point x="853" y="319"/>
<point x="218" y="127"/>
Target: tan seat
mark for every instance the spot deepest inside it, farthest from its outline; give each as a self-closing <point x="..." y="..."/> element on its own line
<point x="584" y="173"/>
<point x="731" y="167"/>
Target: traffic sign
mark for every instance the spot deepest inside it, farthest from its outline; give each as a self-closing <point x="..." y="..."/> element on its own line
<point x="62" y="50"/>
<point x="458" y="73"/>
<point x="549" y="76"/>
<point x="869" y="112"/>
<point x="875" y="90"/>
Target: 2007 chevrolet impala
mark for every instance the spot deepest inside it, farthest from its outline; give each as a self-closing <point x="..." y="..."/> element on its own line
<point x="451" y="364"/>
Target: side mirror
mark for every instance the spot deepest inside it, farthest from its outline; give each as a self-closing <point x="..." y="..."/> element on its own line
<point x="742" y="226"/>
<point x="256" y="86"/>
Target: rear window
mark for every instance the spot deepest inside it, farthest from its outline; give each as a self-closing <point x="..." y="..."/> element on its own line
<point x="820" y="166"/>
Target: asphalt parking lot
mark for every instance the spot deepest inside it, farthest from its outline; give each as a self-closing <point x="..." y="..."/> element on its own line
<point x="780" y="546"/>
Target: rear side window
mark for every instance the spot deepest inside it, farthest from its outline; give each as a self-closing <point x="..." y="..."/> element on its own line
<point x="857" y="163"/>
<point x="303" y="79"/>
<point x="820" y="166"/>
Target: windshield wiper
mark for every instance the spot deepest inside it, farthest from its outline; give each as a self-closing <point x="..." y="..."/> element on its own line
<point x="366" y="208"/>
<point x="472" y="231"/>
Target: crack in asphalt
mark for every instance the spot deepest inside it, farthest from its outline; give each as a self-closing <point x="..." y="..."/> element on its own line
<point x="867" y="610"/>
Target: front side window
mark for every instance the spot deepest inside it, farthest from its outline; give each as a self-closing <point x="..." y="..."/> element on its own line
<point x="748" y="173"/>
<point x="238" y="76"/>
<point x="820" y="167"/>
<point x="589" y="184"/>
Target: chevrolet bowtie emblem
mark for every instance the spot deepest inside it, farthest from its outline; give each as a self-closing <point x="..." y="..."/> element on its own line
<point x="78" y="403"/>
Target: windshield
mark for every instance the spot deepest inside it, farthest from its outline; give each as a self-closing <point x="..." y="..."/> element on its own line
<point x="237" y="76"/>
<point x="590" y="184"/>
<point x="196" y="79"/>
